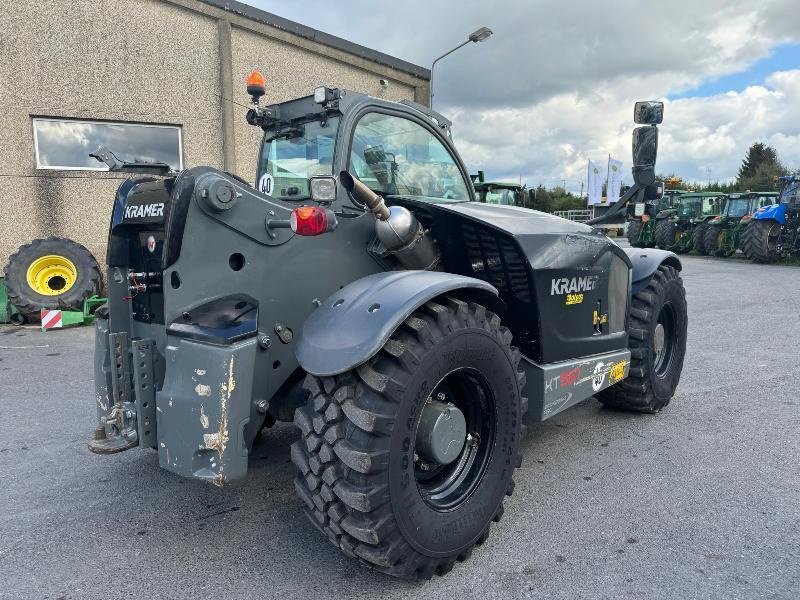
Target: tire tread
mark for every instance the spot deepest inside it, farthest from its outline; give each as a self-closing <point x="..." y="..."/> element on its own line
<point x="353" y="488"/>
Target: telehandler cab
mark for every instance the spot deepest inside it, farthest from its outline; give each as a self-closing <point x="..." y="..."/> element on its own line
<point x="359" y="290"/>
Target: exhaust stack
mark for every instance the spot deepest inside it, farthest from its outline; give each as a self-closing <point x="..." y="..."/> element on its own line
<point x="365" y="195"/>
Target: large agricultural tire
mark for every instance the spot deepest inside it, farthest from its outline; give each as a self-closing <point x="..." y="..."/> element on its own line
<point x="635" y="228"/>
<point x="51" y="273"/>
<point x="698" y="239"/>
<point x="759" y="242"/>
<point x="657" y="340"/>
<point x="665" y="235"/>
<point x="362" y="470"/>
<point x="712" y="242"/>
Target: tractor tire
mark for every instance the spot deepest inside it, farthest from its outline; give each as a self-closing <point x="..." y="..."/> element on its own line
<point x="756" y="243"/>
<point x="634" y="231"/>
<point x="665" y="235"/>
<point x="698" y="239"/>
<point x="711" y="241"/>
<point x="363" y="474"/>
<point x="51" y="273"/>
<point x="657" y="341"/>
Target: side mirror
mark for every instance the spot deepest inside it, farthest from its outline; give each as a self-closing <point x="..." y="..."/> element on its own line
<point x="374" y="155"/>
<point x="648" y="112"/>
<point x="645" y="150"/>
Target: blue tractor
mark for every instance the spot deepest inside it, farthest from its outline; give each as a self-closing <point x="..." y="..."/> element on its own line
<point x="774" y="231"/>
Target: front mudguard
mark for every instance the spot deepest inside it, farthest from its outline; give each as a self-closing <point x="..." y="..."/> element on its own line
<point x="774" y="212"/>
<point x="354" y="323"/>
<point x="645" y="262"/>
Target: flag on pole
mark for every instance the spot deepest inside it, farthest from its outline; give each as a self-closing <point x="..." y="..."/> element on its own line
<point x="614" y="179"/>
<point x="595" y="187"/>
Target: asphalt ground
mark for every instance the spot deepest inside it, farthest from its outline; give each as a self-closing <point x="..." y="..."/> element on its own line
<point x="699" y="501"/>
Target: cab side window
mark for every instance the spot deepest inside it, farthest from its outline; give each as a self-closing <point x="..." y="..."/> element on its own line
<point x="395" y="156"/>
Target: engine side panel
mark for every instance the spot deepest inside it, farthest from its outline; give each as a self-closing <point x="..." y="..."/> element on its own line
<point x="566" y="287"/>
<point x="582" y="286"/>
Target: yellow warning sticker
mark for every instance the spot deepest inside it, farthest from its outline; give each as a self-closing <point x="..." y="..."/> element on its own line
<point x="617" y="372"/>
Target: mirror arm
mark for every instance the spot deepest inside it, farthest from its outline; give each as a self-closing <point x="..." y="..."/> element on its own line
<point x="619" y="205"/>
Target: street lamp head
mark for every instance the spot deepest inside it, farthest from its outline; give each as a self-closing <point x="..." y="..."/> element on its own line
<point x="480" y="35"/>
<point x="476" y="36"/>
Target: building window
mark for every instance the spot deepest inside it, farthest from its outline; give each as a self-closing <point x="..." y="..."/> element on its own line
<point x="66" y="143"/>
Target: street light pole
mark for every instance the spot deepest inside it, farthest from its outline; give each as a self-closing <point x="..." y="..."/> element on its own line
<point x="476" y="36"/>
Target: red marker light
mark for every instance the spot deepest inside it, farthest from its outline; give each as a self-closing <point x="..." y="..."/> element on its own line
<point x="312" y="220"/>
<point x="256" y="84"/>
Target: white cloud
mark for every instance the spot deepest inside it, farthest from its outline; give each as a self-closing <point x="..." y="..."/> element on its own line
<point x="554" y="138"/>
<point x="556" y="83"/>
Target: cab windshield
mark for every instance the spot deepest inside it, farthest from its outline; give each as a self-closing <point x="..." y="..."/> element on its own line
<point x="791" y="193"/>
<point x="713" y="206"/>
<point x="737" y="207"/>
<point x="500" y="196"/>
<point x="691" y="207"/>
<point x="291" y="155"/>
<point x="395" y="156"/>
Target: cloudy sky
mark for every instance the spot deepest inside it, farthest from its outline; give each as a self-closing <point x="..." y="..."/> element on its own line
<point x="556" y="83"/>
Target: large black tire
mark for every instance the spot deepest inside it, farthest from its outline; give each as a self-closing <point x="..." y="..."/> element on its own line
<point x="88" y="278"/>
<point x="712" y="241"/>
<point x="653" y="376"/>
<point x="634" y="231"/>
<point x="757" y="244"/>
<point x="665" y="235"/>
<point x="356" y="454"/>
<point x="699" y="240"/>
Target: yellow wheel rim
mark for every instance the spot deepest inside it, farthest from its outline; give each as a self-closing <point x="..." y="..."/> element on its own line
<point x="52" y="275"/>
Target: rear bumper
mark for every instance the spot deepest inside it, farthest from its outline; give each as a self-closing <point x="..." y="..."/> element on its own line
<point x="196" y="418"/>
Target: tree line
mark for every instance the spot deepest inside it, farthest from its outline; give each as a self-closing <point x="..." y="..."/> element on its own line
<point x="758" y="172"/>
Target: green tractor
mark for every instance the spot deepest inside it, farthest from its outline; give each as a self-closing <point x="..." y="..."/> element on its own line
<point x="498" y="192"/>
<point x="723" y="234"/>
<point x="641" y="218"/>
<point x="682" y="227"/>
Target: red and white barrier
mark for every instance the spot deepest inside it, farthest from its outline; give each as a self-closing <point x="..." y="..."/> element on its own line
<point x="51" y="319"/>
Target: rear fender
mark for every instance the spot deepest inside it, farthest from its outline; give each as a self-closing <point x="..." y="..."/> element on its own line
<point x="354" y="323"/>
<point x="645" y="262"/>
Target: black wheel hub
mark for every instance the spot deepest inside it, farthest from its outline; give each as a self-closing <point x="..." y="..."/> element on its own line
<point x="454" y="438"/>
<point x="442" y="433"/>
<point x="663" y="344"/>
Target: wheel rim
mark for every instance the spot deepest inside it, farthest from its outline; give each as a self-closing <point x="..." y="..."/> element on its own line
<point x="663" y="346"/>
<point x="51" y="275"/>
<point x="445" y="486"/>
<point x="773" y="236"/>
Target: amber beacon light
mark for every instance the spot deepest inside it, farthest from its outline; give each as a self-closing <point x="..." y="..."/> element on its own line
<point x="256" y="85"/>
